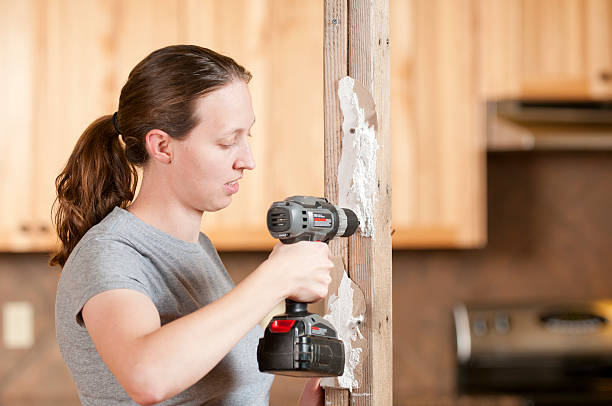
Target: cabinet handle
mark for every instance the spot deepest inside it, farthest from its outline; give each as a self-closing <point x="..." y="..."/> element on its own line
<point x="26" y="228"/>
<point x="605" y="76"/>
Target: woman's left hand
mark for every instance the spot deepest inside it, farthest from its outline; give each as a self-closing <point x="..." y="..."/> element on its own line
<point x="312" y="395"/>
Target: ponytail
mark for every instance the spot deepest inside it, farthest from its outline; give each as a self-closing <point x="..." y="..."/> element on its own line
<point x="97" y="178"/>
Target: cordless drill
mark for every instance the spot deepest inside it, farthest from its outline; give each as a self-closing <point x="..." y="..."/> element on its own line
<point x="299" y="343"/>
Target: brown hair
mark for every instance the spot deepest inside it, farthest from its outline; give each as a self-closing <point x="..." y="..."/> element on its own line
<point x="160" y="93"/>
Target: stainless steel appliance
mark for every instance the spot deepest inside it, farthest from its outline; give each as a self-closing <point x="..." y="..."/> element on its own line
<point x="550" y="353"/>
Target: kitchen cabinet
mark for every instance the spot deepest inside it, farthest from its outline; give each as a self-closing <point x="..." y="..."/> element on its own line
<point x="16" y="106"/>
<point x="65" y="63"/>
<point x="64" y="69"/>
<point x="546" y="49"/>
<point x="438" y="143"/>
<point x="67" y="60"/>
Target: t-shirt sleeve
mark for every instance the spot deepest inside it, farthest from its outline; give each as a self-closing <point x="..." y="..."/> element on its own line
<point x="103" y="264"/>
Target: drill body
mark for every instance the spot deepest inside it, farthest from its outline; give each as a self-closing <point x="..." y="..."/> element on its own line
<point x="299" y="343"/>
<point x="306" y="218"/>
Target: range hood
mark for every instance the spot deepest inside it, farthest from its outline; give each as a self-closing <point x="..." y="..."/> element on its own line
<point x="548" y="125"/>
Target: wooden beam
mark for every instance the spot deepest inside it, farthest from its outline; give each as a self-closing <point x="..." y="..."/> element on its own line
<point x="357" y="43"/>
<point x="335" y="67"/>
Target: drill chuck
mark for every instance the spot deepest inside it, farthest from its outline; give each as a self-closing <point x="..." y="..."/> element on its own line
<point x="348" y="222"/>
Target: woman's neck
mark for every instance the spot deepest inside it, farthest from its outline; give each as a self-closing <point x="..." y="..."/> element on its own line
<point x="155" y="206"/>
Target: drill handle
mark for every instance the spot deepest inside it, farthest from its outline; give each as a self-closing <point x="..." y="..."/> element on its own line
<point x="293" y="307"/>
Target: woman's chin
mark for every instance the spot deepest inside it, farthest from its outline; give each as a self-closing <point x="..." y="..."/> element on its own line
<point x="219" y="205"/>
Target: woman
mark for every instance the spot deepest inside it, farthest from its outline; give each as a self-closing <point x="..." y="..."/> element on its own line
<point x="145" y="311"/>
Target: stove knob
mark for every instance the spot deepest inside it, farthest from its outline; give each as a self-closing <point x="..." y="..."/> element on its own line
<point x="502" y="323"/>
<point x="479" y="327"/>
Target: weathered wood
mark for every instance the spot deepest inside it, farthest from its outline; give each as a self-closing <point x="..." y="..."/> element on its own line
<point x="336" y="397"/>
<point x="357" y="43"/>
<point x="335" y="66"/>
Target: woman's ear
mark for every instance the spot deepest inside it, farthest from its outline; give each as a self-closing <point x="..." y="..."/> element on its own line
<point x="159" y="146"/>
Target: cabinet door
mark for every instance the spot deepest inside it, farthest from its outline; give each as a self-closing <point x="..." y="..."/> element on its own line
<point x="17" y="69"/>
<point x="599" y="47"/>
<point x="546" y="49"/>
<point x="500" y="48"/>
<point x="554" y="45"/>
<point x="438" y="143"/>
<point x="70" y="92"/>
<point x="70" y="59"/>
<point x="81" y="61"/>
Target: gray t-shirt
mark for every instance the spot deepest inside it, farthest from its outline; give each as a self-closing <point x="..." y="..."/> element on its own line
<point x="123" y="252"/>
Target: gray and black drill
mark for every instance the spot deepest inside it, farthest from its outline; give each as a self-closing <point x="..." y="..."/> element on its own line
<point x="299" y="343"/>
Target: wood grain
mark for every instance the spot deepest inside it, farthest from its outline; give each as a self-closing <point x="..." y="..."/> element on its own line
<point x="16" y="107"/>
<point x="437" y="125"/>
<point x="335" y="66"/>
<point x="551" y="49"/>
<point x="499" y="46"/>
<point x="599" y="47"/>
<point x="369" y="261"/>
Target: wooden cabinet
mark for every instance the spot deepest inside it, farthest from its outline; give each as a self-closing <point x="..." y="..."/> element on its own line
<point x="438" y="143"/>
<point x="64" y="64"/>
<point x="66" y="60"/>
<point x="546" y="49"/>
<point x="17" y="67"/>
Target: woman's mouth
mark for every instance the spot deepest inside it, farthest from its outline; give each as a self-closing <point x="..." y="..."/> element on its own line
<point x="232" y="187"/>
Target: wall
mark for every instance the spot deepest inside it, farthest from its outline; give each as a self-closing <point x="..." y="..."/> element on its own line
<point x="549" y="236"/>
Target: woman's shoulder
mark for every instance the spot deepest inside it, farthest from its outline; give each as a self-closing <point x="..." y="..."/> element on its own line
<point x="107" y="240"/>
<point x="104" y="258"/>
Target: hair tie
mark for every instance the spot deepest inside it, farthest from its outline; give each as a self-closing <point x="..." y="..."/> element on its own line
<point x="116" y="124"/>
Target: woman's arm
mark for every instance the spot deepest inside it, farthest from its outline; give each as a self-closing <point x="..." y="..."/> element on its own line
<point x="154" y="363"/>
<point x="312" y="395"/>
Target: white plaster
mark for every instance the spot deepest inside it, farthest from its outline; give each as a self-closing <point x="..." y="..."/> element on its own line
<point x="340" y="314"/>
<point x="357" y="185"/>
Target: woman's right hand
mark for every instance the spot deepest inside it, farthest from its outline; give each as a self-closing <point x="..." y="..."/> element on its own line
<point x="301" y="270"/>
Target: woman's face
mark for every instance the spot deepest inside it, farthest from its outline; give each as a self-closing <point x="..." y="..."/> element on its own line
<point x="210" y="160"/>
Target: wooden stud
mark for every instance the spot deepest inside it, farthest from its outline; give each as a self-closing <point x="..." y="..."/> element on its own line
<point x="357" y="43"/>
<point x="335" y="67"/>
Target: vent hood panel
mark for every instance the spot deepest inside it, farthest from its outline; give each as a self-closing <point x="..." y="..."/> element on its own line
<point x="549" y="125"/>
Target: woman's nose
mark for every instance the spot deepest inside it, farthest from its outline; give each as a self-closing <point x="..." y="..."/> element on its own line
<point x="245" y="160"/>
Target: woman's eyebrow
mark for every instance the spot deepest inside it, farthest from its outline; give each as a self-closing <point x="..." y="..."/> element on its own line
<point x="227" y="135"/>
<point x="235" y="130"/>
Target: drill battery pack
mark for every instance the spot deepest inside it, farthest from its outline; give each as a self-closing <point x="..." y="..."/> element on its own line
<point x="302" y="346"/>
